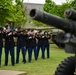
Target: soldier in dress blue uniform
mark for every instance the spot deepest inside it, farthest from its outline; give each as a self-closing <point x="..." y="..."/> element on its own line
<point x="1" y="42"/>
<point x="9" y="45"/>
<point x="46" y="43"/>
<point x="34" y="44"/>
<point x="29" y="44"/>
<point x="40" y="44"/>
<point x="20" y="45"/>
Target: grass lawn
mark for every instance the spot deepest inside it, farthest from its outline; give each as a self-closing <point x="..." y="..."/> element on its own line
<point x="41" y="66"/>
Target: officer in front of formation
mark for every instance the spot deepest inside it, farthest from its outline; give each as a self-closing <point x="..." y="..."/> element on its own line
<point x="1" y="43"/>
<point x="20" y="45"/>
<point x="9" y="45"/>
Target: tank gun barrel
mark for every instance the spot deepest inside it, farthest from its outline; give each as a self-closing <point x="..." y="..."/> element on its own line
<point x="70" y="14"/>
<point x="52" y="20"/>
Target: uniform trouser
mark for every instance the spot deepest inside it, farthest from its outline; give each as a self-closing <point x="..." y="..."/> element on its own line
<point x="42" y="49"/>
<point x="0" y="54"/>
<point x="35" y="52"/>
<point x="29" y="54"/>
<point x="12" y="56"/>
<point x="23" y="54"/>
<point x="48" y="51"/>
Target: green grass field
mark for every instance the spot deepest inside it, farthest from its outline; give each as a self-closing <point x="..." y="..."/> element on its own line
<point x="41" y="66"/>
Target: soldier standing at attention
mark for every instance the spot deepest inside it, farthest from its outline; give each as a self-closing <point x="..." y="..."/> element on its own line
<point x="34" y="44"/>
<point x="9" y="45"/>
<point x="40" y="44"/>
<point x="29" y="44"/>
<point x="20" y="45"/>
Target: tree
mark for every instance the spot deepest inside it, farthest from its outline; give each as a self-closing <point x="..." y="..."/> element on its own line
<point x="61" y="8"/>
<point x="73" y="4"/>
<point x="6" y="9"/>
<point x="49" y="5"/>
<point x="58" y="10"/>
<point x="20" y="13"/>
<point x="13" y="13"/>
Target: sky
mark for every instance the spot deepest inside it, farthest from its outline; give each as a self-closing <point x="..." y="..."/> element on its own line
<point x="43" y="1"/>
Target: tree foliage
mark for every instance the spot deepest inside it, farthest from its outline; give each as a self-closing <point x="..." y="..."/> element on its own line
<point x="10" y="12"/>
<point x="73" y="4"/>
<point x="5" y="10"/>
<point x="49" y="5"/>
<point x="20" y="13"/>
<point x="58" y="10"/>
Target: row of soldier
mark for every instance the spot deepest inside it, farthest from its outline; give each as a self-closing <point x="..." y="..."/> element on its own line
<point x="27" y="40"/>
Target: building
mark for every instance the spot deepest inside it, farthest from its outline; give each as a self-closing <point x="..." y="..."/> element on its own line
<point x="29" y="6"/>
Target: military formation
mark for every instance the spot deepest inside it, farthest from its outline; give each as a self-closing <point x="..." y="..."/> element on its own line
<point x="24" y="41"/>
